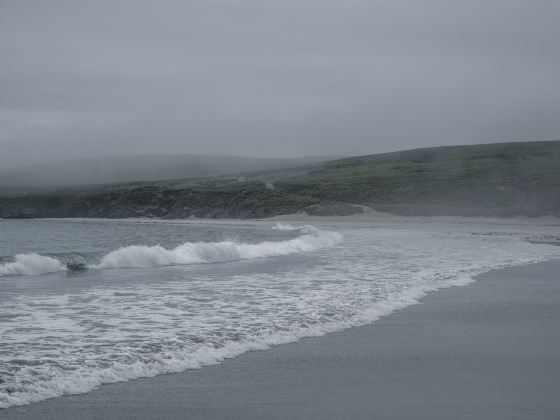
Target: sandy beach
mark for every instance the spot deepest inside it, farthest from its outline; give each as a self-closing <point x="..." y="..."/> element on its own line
<point x="490" y="350"/>
<point x="279" y="210"/>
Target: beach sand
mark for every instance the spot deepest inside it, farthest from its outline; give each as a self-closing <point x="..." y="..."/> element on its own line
<point x="490" y="350"/>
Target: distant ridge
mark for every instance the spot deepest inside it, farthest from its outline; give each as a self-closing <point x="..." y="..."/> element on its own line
<point x="105" y="170"/>
<point x="500" y="179"/>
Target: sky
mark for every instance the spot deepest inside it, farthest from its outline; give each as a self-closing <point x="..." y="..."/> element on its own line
<point x="273" y="78"/>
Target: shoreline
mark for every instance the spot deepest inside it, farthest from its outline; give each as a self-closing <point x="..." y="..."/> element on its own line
<point x="543" y="230"/>
<point x="493" y="342"/>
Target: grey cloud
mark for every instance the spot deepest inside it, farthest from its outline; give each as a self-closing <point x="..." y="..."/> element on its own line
<point x="273" y="78"/>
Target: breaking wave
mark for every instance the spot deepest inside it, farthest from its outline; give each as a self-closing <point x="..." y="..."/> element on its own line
<point x="188" y="253"/>
<point x="30" y="265"/>
<point x="71" y="340"/>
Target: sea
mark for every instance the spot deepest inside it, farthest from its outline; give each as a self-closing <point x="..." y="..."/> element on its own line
<point x="88" y="302"/>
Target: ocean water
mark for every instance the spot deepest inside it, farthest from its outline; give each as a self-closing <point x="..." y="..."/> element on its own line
<point x="85" y="302"/>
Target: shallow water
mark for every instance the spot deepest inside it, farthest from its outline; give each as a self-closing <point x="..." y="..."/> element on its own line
<point x="159" y="297"/>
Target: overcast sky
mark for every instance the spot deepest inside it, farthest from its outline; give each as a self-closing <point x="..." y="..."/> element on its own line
<point x="273" y="78"/>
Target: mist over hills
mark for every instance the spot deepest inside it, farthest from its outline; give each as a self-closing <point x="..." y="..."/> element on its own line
<point x="501" y="179"/>
<point x="105" y="170"/>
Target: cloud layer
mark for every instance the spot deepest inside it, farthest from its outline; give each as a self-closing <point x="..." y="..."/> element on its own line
<point x="273" y="78"/>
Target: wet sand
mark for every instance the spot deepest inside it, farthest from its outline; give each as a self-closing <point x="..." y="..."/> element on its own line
<point x="490" y="350"/>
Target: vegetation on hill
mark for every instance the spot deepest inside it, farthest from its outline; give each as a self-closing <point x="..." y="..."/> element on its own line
<point x="504" y="179"/>
<point x="494" y="179"/>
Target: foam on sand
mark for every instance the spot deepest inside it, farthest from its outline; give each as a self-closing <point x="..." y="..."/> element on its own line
<point x="69" y="340"/>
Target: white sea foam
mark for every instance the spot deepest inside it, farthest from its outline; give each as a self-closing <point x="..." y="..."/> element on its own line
<point x="204" y="252"/>
<point x="285" y="226"/>
<point x="71" y="341"/>
<point x="188" y="253"/>
<point x="30" y="265"/>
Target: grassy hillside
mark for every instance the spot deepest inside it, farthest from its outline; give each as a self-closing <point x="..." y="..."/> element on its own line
<point x="495" y="179"/>
<point x="502" y="179"/>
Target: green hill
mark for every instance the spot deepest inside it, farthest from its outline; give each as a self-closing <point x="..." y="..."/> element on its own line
<point x="503" y="179"/>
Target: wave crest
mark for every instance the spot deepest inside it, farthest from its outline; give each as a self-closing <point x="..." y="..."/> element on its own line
<point x="208" y="252"/>
<point x="188" y="253"/>
<point x="30" y="265"/>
